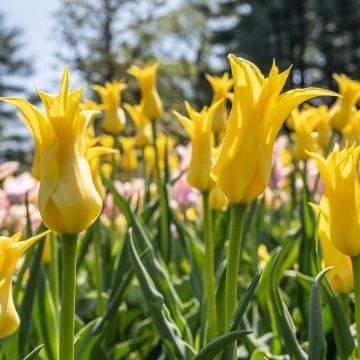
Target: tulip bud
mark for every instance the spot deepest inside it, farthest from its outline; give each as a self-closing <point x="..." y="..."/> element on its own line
<point x="142" y="124"/>
<point x="150" y="100"/>
<point x="114" y="118"/>
<point x="243" y="167"/>
<point x="221" y="87"/>
<point x="341" y="111"/>
<point x="11" y="250"/>
<point x="68" y="200"/>
<point x="341" y="275"/>
<point x="340" y="203"/>
<point x="199" y="129"/>
<point x="128" y="157"/>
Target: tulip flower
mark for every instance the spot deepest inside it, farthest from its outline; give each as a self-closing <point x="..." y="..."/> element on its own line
<point x="323" y="127"/>
<point x="340" y="276"/>
<point x="114" y="117"/>
<point x="341" y="111"/>
<point x="93" y="154"/>
<point x="340" y="207"/>
<point x="221" y="86"/>
<point x="351" y="131"/>
<point x="218" y="200"/>
<point x="243" y="168"/>
<point x="150" y="100"/>
<point x="11" y="250"/>
<point x="68" y="200"/>
<point x="256" y="117"/>
<point x="149" y="158"/>
<point x="164" y="146"/>
<point x="199" y="129"/>
<point x="142" y="124"/>
<point x="128" y="159"/>
<point x="303" y="123"/>
<point x="341" y="191"/>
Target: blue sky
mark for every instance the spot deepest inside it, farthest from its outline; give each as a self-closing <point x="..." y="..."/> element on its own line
<point x="36" y="19"/>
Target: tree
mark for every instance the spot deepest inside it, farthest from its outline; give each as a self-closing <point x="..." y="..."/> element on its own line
<point x="12" y="65"/>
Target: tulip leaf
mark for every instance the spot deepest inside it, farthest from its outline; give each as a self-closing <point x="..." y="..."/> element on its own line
<point x="316" y="321"/>
<point x="153" y="262"/>
<point x="85" y="340"/>
<point x="282" y="315"/>
<point x="214" y="347"/>
<point x="240" y="311"/>
<point x="27" y="304"/>
<point x="168" y="330"/>
<point x="34" y="353"/>
<point x="344" y="340"/>
<point x="45" y="318"/>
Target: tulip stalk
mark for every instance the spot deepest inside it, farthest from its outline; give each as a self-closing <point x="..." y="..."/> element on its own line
<point x="68" y="290"/>
<point x="209" y="270"/>
<point x="233" y="258"/>
<point x="164" y="241"/>
<point x="356" y="271"/>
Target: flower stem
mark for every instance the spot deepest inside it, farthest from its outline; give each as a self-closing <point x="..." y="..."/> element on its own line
<point x="164" y="241"/>
<point x="209" y="270"/>
<point x="54" y="274"/>
<point x="68" y="290"/>
<point x="98" y="265"/>
<point x="233" y="257"/>
<point x="356" y="271"/>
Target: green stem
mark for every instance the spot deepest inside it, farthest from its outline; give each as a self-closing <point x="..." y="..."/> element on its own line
<point x="164" y="241"/>
<point x="113" y="209"/>
<point x="98" y="265"/>
<point x="68" y="290"/>
<point x="54" y="274"/>
<point x="356" y="271"/>
<point x="233" y="257"/>
<point x="209" y="270"/>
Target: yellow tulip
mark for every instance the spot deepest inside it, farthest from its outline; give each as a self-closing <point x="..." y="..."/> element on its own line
<point x="350" y="91"/>
<point x="149" y="158"/>
<point x="128" y="157"/>
<point x="217" y="199"/>
<point x="91" y="105"/>
<point x="243" y="167"/>
<point x="68" y="200"/>
<point x="199" y="129"/>
<point x="221" y="86"/>
<point x="11" y="250"/>
<point x="164" y="146"/>
<point x="114" y="117"/>
<point x="341" y="275"/>
<point x="340" y="203"/>
<point x="351" y="131"/>
<point x="93" y="154"/>
<point x="323" y="128"/>
<point x="46" y="255"/>
<point x="36" y="165"/>
<point x="150" y="100"/>
<point x="142" y="124"/>
<point x="303" y="123"/>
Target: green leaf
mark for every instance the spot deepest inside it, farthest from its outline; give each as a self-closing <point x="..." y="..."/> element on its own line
<point x="316" y="321"/>
<point x="45" y="318"/>
<point x="34" y="353"/>
<point x="154" y="264"/>
<point x="168" y="330"/>
<point x="240" y="311"/>
<point x="85" y="340"/>
<point x="244" y="302"/>
<point x="29" y="297"/>
<point x="283" y="318"/>
<point x="215" y="346"/>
